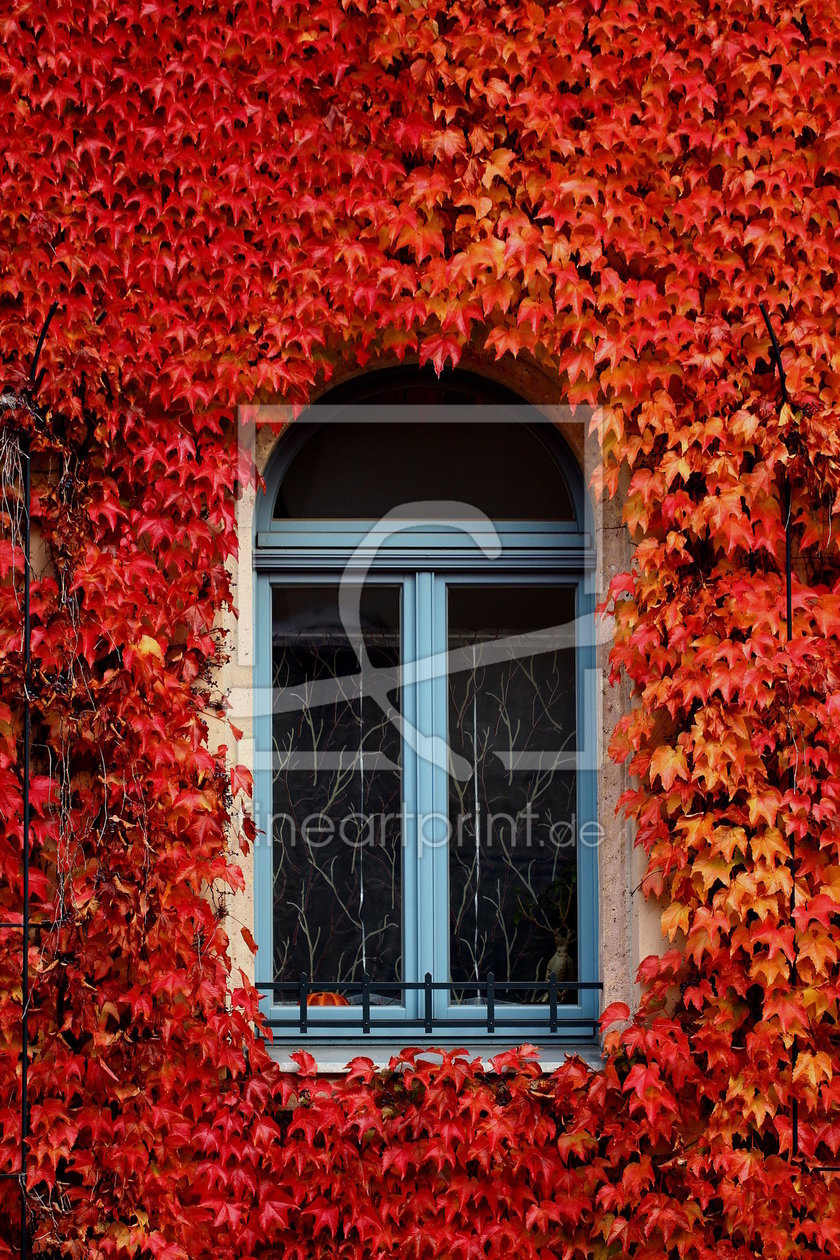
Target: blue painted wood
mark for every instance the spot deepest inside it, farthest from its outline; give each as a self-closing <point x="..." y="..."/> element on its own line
<point x="327" y="560"/>
<point x="263" y="792"/>
<point x="412" y="968"/>
<point x="438" y="918"/>
<point x="424" y="828"/>
<point x="479" y="535"/>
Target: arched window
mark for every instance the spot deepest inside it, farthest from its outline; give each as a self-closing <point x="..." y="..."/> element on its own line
<point x="424" y="771"/>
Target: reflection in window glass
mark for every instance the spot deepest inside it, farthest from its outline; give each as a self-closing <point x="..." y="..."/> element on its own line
<point x="337" y="790"/>
<point x="512" y="854"/>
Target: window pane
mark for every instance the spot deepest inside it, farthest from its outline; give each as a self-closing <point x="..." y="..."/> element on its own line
<point x="512" y="798"/>
<point x="337" y="789"/>
<point x="360" y="471"/>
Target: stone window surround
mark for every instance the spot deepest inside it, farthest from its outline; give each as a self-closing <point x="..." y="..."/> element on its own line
<point x="629" y="926"/>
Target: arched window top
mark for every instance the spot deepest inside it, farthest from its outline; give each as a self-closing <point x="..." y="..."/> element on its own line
<point x="361" y="469"/>
<point x="409" y="439"/>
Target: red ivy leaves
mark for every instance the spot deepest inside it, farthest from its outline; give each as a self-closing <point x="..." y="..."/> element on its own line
<point x="223" y="200"/>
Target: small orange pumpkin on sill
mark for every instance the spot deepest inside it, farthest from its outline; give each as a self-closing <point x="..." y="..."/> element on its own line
<point x="326" y="999"/>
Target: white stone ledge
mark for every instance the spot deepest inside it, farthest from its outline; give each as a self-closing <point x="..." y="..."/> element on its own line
<point x="332" y="1059"/>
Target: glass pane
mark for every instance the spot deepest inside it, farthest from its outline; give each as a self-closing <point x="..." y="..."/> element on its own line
<point x="337" y="789"/>
<point x="360" y="471"/>
<point x="512" y="793"/>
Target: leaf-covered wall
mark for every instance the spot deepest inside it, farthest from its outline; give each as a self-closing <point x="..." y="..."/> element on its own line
<point x="224" y="198"/>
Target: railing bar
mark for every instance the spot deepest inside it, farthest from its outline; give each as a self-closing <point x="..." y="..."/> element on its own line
<point x="427" y="985"/>
<point x="378" y="1015"/>
<point x="491" y="1001"/>
<point x="365" y="1004"/>
<point x="552" y="1003"/>
<point x="392" y="986"/>
<point x="419" y="984"/>
<point x="333" y="1025"/>
<point x="388" y="1030"/>
<point x="536" y="985"/>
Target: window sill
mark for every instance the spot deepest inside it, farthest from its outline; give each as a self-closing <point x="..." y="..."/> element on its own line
<point x="333" y="1060"/>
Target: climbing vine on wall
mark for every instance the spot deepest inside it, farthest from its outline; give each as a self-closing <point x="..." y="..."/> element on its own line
<point x="224" y="199"/>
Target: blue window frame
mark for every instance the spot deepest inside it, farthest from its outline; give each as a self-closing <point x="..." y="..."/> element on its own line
<point x="405" y="680"/>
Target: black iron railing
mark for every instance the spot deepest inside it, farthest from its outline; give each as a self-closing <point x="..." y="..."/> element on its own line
<point x="366" y="1013"/>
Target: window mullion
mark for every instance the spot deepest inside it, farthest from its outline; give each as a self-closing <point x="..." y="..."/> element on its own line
<point x="429" y="752"/>
<point x="409" y="709"/>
